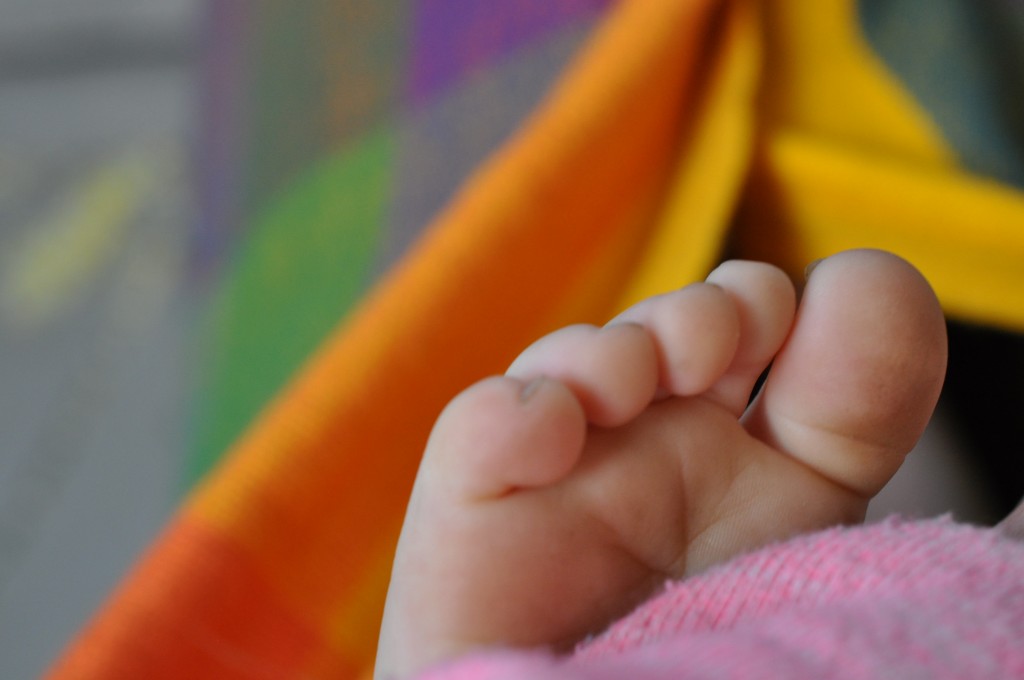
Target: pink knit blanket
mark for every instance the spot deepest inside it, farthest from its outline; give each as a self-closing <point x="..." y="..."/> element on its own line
<point x="899" y="599"/>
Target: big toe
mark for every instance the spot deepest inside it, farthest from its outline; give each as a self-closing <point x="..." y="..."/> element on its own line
<point x="852" y="389"/>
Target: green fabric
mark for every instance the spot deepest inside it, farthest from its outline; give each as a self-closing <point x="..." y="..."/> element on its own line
<point x="309" y="258"/>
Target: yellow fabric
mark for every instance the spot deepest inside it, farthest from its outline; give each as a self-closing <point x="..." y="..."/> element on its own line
<point x="965" y="233"/>
<point x="821" y="77"/>
<point x="846" y="158"/>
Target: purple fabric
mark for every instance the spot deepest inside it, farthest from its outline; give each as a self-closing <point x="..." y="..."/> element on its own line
<point x="452" y="37"/>
<point x="929" y="599"/>
<point x="218" y="151"/>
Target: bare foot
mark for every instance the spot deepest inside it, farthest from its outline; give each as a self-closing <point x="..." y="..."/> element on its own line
<point x="554" y="499"/>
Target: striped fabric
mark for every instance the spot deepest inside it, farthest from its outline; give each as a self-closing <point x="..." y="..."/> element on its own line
<point x="409" y="191"/>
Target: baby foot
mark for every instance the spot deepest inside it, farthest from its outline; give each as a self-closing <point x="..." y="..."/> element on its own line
<point x="556" y="498"/>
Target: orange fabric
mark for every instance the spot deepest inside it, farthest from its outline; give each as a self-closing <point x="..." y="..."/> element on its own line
<point x="190" y="623"/>
<point x="711" y="162"/>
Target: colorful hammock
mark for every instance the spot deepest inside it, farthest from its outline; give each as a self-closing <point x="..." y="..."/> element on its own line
<point x="677" y="131"/>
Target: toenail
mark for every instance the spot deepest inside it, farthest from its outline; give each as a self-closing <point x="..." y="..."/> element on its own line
<point x="530" y="388"/>
<point x="810" y="268"/>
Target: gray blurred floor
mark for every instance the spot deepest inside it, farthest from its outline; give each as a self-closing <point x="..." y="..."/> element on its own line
<point x="96" y="113"/>
<point x="96" y="110"/>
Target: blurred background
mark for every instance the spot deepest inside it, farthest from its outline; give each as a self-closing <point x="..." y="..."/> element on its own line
<point x="98" y="108"/>
<point x="136" y="137"/>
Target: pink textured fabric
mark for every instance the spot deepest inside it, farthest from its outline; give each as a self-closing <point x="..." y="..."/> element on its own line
<point x="928" y="599"/>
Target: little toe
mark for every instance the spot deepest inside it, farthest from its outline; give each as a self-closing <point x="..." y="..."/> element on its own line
<point x="853" y="387"/>
<point x="766" y="302"/>
<point x="612" y="371"/>
<point x="696" y="332"/>
<point x="502" y="434"/>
